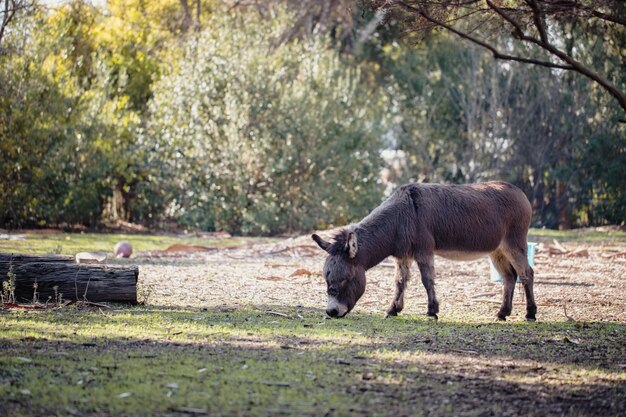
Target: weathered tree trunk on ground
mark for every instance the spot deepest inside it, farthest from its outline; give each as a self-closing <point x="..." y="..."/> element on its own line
<point x="74" y="281"/>
<point x="7" y="259"/>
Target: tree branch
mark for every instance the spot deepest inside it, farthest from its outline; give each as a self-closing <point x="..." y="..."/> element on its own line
<point x="574" y="65"/>
<point x="538" y="19"/>
<point x="496" y="53"/>
<point x="187" y="20"/>
<point x="608" y="17"/>
<point x="539" y="9"/>
<point x="8" y="15"/>
<point x="198" y="12"/>
<point x="369" y="29"/>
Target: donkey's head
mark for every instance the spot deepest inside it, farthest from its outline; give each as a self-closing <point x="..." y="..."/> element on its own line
<point x="345" y="277"/>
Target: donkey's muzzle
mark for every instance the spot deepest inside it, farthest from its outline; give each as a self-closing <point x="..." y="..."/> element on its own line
<point x="334" y="313"/>
<point x="335" y="308"/>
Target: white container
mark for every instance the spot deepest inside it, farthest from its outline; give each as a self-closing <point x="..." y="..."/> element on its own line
<point x="495" y="276"/>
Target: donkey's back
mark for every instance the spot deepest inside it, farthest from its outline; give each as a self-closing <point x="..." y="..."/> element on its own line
<point x="472" y="218"/>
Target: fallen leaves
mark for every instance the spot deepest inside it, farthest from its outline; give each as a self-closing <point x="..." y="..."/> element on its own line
<point x="300" y="272"/>
<point x="180" y="247"/>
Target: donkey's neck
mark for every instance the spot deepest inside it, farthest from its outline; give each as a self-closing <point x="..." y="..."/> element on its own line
<point x="375" y="241"/>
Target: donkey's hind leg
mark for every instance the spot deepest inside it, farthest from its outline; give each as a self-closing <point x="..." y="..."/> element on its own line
<point x="516" y="253"/>
<point x="403" y="273"/>
<point x="508" y="274"/>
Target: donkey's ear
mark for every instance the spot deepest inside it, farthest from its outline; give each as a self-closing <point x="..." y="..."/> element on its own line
<point x="352" y="244"/>
<point x="321" y="242"/>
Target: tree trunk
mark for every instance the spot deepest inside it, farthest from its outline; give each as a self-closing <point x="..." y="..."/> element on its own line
<point x="17" y="260"/>
<point x="187" y="20"/>
<point x="562" y="206"/>
<point x="74" y="281"/>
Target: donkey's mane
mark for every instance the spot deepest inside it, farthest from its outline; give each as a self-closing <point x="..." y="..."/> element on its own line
<point x="339" y="242"/>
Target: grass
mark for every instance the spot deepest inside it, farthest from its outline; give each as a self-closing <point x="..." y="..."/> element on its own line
<point x="72" y="243"/>
<point x="576" y="235"/>
<point x="280" y="360"/>
<point x="272" y="361"/>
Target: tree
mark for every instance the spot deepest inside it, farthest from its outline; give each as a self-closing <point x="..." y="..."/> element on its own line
<point x="9" y="9"/>
<point x="536" y="24"/>
<point x="254" y="139"/>
<point x="464" y="118"/>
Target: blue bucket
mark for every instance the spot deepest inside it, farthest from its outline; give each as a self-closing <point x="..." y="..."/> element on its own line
<point x="495" y="276"/>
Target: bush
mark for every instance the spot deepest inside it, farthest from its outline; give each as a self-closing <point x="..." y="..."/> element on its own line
<point x="254" y="139"/>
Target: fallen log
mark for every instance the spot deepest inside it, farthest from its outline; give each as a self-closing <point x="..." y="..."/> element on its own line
<point x="78" y="282"/>
<point x="8" y="259"/>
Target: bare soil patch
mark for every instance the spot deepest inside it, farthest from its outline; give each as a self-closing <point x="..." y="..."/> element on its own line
<point x="583" y="283"/>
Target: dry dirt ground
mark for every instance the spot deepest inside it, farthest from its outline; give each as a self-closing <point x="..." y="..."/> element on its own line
<point x="586" y="284"/>
<point x="572" y="364"/>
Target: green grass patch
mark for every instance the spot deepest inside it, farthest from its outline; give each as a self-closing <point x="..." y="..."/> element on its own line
<point x="272" y="361"/>
<point x="576" y="235"/>
<point x="72" y="243"/>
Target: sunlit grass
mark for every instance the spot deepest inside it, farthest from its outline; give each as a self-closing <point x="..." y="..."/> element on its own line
<point x="155" y="361"/>
<point x="576" y="235"/>
<point x="72" y="243"/>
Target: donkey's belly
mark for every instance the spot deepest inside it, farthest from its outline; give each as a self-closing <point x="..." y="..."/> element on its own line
<point x="460" y="255"/>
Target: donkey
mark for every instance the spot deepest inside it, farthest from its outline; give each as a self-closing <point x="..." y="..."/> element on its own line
<point x="417" y="222"/>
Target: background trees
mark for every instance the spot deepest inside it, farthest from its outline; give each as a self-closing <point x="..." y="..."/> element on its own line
<point x="261" y="139"/>
<point x="540" y="32"/>
<point x="282" y="117"/>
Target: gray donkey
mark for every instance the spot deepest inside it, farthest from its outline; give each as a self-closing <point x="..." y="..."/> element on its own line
<point x="419" y="221"/>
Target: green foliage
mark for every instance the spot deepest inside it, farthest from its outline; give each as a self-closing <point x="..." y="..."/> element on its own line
<point x="73" y="100"/>
<point x="466" y="118"/>
<point x="31" y="107"/>
<point x="258" y="139"/>
<point x="129" y="113"/>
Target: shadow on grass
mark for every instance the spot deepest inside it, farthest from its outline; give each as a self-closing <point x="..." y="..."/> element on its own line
<point x="270" y="360"/>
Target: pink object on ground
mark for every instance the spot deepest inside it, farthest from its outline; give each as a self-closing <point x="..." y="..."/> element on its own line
<point x="123" y="250"/>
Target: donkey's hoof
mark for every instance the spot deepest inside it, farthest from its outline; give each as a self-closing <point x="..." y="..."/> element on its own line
<point x="501" y="317"/>
<point x="433" y="316"/>
<point x="531" y="319"/>
<point x="392" y="313"/>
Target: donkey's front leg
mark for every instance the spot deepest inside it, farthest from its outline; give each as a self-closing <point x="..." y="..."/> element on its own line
<point x="403" y="273"/>
<point x="427" y="270"/>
